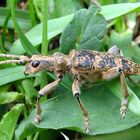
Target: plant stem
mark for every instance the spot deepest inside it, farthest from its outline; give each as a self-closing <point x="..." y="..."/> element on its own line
<point x="36" y="136"/>
<point x="31" y="12"/>
<point x="44" y="48"/>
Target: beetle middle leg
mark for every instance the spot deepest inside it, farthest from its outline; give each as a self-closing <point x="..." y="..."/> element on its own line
<point x="115" y="72"/>
<point x="76" y="93"/>
<point x="47" y="89"/>
<point x="110" y="74"/>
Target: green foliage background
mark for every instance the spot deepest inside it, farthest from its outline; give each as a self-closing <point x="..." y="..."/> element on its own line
<point x="70" y="24"/>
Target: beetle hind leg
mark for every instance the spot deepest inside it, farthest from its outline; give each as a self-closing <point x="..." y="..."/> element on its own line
<point x="124" y="103"/>
<point x="115" y="72"/>
<point x="115" y="51"/>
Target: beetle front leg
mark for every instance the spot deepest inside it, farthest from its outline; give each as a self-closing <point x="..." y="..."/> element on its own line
<point x="47" y="89"/>
<point x="76" y="93"/>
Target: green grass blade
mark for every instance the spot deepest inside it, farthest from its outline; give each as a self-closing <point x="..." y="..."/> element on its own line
<point x="1" y="45"/>
<point x="44" y="49"/>
<point x="5" y="26"/>
<point x="32" y="13"/>
<point x="116" y="10"/>
<point x="24" y="41"/>
<point x="21" y="16"/>
<point x="8" y="75"/>
<point x="55" y="27"/>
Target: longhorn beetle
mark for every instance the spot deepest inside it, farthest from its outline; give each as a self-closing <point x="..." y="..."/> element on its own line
<point x="85" y="66"/>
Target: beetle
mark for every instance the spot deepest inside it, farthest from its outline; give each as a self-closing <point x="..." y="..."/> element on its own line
<point x="85" y="66"/>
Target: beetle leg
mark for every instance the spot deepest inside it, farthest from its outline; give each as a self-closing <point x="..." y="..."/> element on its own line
<point x="112" y="73"/>
<point x="47" y="89"/>
<point x="114" y="50"/>
<point x="76" y="93"/>
<point x="125" y="94"/>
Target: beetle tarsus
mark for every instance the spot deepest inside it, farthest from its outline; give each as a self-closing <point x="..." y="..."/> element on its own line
<point x="85" y="115"/>
<point x="123" y="108"/>
<point x="38" y="110"/>
<point x="124" y="103"/>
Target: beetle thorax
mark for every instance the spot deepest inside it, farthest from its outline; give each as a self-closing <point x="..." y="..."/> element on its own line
<point x="61" y="62"/>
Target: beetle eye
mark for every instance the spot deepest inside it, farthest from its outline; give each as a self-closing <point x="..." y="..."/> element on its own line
<point x="35" y="63"/>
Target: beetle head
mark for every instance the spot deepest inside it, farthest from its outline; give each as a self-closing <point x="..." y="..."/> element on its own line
<point x="38" y="63"/>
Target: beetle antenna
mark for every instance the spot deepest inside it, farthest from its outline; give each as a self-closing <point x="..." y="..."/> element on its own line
<point x="10" y="56"/>
<point x="18" y="59"/>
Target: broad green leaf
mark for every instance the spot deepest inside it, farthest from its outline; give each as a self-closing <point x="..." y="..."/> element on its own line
<point x="56" y="8"/>
<point x="85" y="31"/>
<point x="103" y="106"/>
<point x="56" y="26"/>
<point x="8" y="122"/>
<point x="24" y="41"/>
<point x="22" y="17"/>
<point x="8" y="97"/>
<point x="103" y="103"/>
<point x="93" y="30"/>
<point x="63" y="112"/>
<point x="71" y="6"/>
<point x="71" y="34"/>
<point x="130" y="134"/>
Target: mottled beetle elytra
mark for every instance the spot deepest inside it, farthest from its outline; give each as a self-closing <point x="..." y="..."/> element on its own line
<point x="85" y="66"/>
